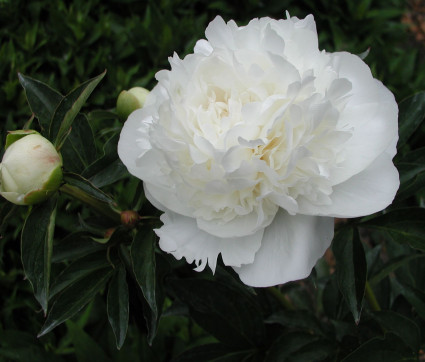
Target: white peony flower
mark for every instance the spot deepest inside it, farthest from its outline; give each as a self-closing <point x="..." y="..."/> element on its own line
<point x="254" y="143"/>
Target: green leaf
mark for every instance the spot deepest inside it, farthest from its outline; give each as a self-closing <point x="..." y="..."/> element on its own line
<point x="412" y="176"/>
<point x="405" y="328"/>
<point x="73" y="246"/>
<point x="316" y="351"/>
<point x="411" y="114"/>
<point x="85" y="185"/>
<point x="351" y="269"/>
<point x="110" y="174"/>
<point x="300" y="319"/>
<point x="411" y="187"/>
<point x="118" y="305"/>
<point x="402" y="225"/>
<point x="101" y="115"/>
<point x="78" y="270"/>
<point x="144" y="267"/>
<point x="288" y="344"/>
<point x="225" y="311"/>
<point x="333" y="300"/>
<point x="389" y="349"/>
<point x="86" y="349"/>
<point x="68" y="109"/>
<point x="22" y="346"/>
<point x="213" y="352"/>
<point x="414" y="296"/>
<point x="43" y="100"/>
<point x="107" y="169"/>
<point x="391" y="266"/>
<point x="7" y="211"/>
<point x="79" y="149"/>
<point x="110" y="154"/>
<point x="36" y="248"/>
<point x="384" y="13"/>
<point x="411" y="164"/>
<point x="74" y="298"/>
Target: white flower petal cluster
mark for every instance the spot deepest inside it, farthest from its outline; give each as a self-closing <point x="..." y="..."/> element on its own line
<point x="256" y="141"/>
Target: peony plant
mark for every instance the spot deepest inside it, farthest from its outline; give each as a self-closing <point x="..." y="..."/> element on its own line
<point x="251" y="147"/>
<point x="253" y="144"/>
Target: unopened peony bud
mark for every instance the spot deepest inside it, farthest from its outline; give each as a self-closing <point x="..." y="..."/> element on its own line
<point x="129" y="218"/>
<point x="129" y="101"/>
<point x="31" y="169"/>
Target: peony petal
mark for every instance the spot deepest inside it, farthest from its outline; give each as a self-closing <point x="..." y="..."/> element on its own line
<point x="164" y="199"/>
<point x="181" y="237"/>
<point x="370" y="114"/>
<point x="203" y="47"/>
<point x="220" y="34"/>
<point x="296" y="32"/>
<point x="134" y="140"/>
<point x="368" y="192"/>
<point x="290" y="248"/>
<point x="239" y="226"/>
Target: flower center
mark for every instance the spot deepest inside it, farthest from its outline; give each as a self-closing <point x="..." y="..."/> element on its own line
<point x="241" y="142"/>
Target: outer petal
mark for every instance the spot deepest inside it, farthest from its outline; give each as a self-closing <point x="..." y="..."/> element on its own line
<point x="221" y="34"/>
<point x="363" y="194"/>
<point x="181" y="237"/>
<point x="165" y="199"/>
<point x="371" y="113"/>
<point x="290" y="248"/>
<point x="134" y="141"/>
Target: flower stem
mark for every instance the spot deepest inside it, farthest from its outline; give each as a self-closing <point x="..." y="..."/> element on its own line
<point x="283" y="299"/>
<point x="370" y="296"/>
<point x="99" y="206"/>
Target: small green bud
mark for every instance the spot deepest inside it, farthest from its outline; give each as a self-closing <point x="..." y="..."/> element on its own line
<point x="129" y="101"/>
<point x="31" y="169"/>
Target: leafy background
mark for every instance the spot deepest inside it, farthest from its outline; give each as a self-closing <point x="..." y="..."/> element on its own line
<point x="365" y="299"/>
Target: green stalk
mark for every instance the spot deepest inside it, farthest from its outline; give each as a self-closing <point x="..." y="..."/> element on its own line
<point x="283" y="299"/>
<point x="370" y="296"/>
<point x="99" y="206"/>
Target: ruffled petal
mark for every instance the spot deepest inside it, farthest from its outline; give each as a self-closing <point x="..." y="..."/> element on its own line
<point x="203" y="47"/>
<point x="181" y="237"/>
<point x="241" y="225"/>
<point x="220" y="34"/>
<point x="363" y="194"/>
<point x="290" y="248"/>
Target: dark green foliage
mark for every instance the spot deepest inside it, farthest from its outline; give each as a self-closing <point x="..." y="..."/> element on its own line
<point x="350" y="269"/>
<point x="144" y="268"/>
<point x="118" y="305"/>
<point x="37" y="247"/>
<point x="107" y="291"/>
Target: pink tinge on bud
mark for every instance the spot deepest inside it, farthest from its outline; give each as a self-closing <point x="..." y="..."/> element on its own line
<point x="108" y="233"/>
<point x="129" y="218"/>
